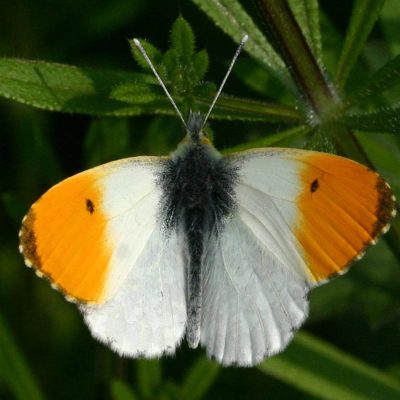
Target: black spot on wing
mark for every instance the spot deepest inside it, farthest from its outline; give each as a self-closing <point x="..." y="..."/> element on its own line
<point x="314" y="185"/>
<point x="89" y="206"/>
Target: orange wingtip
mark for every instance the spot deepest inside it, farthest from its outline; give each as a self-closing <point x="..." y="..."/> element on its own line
<point x="344" y="207"/>
<point x="63" y="237"/>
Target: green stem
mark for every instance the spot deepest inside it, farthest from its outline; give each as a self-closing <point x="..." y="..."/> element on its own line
<point x="312" y="83"/>
<point x="298" y="56"/>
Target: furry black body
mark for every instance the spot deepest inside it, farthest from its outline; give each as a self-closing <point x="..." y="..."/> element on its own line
<point x="198" y="195"/>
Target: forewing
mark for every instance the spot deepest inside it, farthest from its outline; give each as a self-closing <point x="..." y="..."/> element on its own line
<point x="97" y="237"/>
<point x="85" y="233"/>
<point x="331" y="208"/>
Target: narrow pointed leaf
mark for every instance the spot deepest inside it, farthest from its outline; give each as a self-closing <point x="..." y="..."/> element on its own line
<point x="256" y="77"/>
<point x="326" y="372"/>
<point x="182" y="39"/>
<point x="229" y="107"/>
<point x="385" y="78"/>
<point x="306" y="13"/>
<point x="271" y="140"/>
<point x="58" y="87"/>
<point x="363" y="18"/>
<point x="200" y="64"/>
<point x="153" y="53"/>
<point x="66" y="88"/>
<point x="230" y="16"/>
<point x="137" y="93"/>
<point x="384" y="121"/>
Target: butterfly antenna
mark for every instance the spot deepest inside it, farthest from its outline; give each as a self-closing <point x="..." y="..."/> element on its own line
<point x="147" y="59"/>
<point x="238" y="50"/>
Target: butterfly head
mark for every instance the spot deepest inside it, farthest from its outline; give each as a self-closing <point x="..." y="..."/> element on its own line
<point x="194" y="131"/>
<point x="195" y="138"/>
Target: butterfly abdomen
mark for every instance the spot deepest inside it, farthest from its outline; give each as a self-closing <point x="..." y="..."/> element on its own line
<point x="198" y="194"/>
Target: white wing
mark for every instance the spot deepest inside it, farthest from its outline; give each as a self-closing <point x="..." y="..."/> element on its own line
<point x="256" y="284"/>
<point x="253" y="302"/>
<point x="98" y="237"/>
<point x="147" y="316"/>
<point x="300" y="219"/>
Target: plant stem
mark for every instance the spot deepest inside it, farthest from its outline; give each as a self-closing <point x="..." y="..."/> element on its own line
<point x="302" y="64"/>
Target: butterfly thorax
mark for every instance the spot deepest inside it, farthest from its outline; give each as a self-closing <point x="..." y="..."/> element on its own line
<point x="198" y="196"/>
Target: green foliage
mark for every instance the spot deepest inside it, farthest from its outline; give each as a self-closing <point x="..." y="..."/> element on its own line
<point x="121" y="391"/>
<point x="15" y="373"/>
<point x="328" y="373"/>
<point x="58" y="87"/>
<point x="280" y="95"/>
<point x="306" y="13"/>
<point x="198" y="379"/>
<point x="363" y="18"/>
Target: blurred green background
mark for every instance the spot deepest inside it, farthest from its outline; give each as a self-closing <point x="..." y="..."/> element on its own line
<point x="349" y="348"/>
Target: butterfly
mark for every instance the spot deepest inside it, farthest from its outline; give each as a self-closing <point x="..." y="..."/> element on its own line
<point x="222" y="250"/>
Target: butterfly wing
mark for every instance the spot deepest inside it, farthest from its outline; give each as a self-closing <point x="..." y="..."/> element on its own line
<point x="96" y="236"/>
<point x="147" y="316"/>
<point x="301" y="218"/>
<point x="253" y="301"/>
<point x="334" y="207"/>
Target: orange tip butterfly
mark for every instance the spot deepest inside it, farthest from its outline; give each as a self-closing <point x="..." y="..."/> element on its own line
<point x="220" y="250"/>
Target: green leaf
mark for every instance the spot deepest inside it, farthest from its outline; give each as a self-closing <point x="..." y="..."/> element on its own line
<point x="121" y="391"/>
<point x="271" y="140"/>
<point x="199" y="379"/>
<point x="326" y="372"/>
<point x="14" y="371"/>
<point x="182" y="39"/>
<point x="137" y="93"/>
<point x="149" y="374"/>
<point x="332" y="42"/>
<point x="256" y="77"/>
<point x="200" y="64"/>
<point x="153" y="53"/>
<point x="384" y="121"/>
<point x="364" y="15"/>
<point x="385" y="78"/>
<point x="174" y="69"/>
<point x="230" y="16"/>
<point x="65" y="88"/>
<point x="306" y="13"/>
<point x="230" y="107"/>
